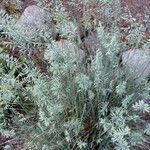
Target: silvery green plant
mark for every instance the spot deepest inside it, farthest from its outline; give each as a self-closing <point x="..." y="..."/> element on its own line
<point x="100" y="102"/>
<point x="73" y="106"/>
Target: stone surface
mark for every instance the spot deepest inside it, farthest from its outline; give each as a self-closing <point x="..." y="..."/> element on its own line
<point x="34" y="21"/>
<point x="92" y="42"/>
<point x="2" y="8"/>
<point x="138" y="61"/>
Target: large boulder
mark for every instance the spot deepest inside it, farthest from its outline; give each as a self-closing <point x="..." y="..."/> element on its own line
<point x="138" y="61"/>
<point x="35" y="21"/>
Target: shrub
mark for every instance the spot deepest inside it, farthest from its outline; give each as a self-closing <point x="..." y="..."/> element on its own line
<point x="77" y="103"/>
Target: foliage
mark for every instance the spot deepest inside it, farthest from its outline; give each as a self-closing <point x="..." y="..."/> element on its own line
<point x="75" y="104"/>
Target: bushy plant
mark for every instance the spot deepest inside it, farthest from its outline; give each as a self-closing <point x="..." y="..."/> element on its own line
<point x="75" y="104"/>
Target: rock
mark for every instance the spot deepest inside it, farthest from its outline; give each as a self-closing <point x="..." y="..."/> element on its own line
<point x="92" y="42"/>
<point x="35" y="21"/>
<point x="2" y="8"/>
<point x="138" y="61"/>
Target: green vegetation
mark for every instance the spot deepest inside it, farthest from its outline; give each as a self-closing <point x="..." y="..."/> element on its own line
<point x="81" y="100"/>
